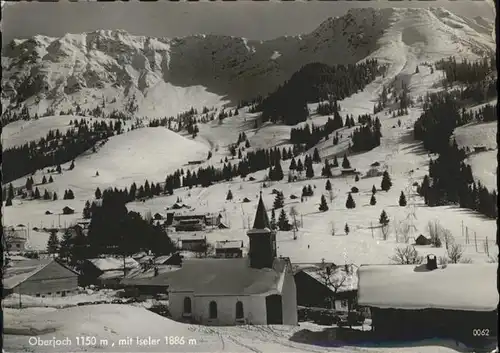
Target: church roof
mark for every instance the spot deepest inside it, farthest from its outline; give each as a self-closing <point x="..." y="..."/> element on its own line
<point x="227" y="277"/>
<point x="261" y="218"/>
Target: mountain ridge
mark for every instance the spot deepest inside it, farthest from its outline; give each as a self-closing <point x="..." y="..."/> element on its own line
<point x="158" y="76"/>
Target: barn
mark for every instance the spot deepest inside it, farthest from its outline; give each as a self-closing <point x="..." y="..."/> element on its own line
<point x="193" y="242"/>
<point x="422" y="240"/>
<point x="39" y="278"/>
<point x="408" y="301"/>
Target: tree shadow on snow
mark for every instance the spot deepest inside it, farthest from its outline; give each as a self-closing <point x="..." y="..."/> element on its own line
<point x="345" y="337"/>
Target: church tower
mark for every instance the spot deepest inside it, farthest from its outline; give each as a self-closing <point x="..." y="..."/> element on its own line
<point x="262" y="239"/>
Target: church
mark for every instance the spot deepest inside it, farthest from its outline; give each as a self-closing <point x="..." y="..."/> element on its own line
<point x="256" y="290"/>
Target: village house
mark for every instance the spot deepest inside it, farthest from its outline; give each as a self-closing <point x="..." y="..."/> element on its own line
<point x="258" y="289"/>
<point x="349" y="171"/>
<point x="39" y="278"/>
<point x="193" y="242"/>
<point x="67" y="210"/>
<point x="229" y="248"/>
<point x="408" y="301"/>
<point x="15" y="238"/>
<point x="106" y="272"/>
<point x="189" y="225"/>
<point x="422" y="240"/>
<point x="335" y="289"/>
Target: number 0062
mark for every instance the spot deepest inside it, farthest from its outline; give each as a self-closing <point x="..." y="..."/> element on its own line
<point x="481" y="332"/>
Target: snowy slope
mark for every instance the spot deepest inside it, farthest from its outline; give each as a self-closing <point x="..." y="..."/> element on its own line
<point x="21" y="132"/>
<point x="161" y="76"/>
<point x="135" y="156"/>
<point x="111" y="323"/>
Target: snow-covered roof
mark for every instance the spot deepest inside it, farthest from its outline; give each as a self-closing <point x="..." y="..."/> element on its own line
<point x="20" y="271"/>
<point x="160" y="260"/>
<point x="229" y="244"/>
<point x="139" y="276"/>
<point x="191" y="237"/>
<point x="112" y="274"/>
<point x="111" y="263"/>
<point x="470" y="287"/>
<point x="227" y="277"/>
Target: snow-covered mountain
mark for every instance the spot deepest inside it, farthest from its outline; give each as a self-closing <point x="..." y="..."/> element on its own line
<point x="161" y="76"/>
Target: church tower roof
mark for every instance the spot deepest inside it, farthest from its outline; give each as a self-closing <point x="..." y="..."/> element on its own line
<point x="261" y="219"/>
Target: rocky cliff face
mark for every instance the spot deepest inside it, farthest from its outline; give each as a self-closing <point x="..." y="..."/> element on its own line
<point x="160" y="76"/>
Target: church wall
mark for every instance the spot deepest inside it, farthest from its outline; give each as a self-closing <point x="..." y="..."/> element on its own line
<point x="254" y="310"/>
<point x="289" y="300"/>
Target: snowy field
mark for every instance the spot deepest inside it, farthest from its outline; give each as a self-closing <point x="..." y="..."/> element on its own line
<point x="117" y="327"/>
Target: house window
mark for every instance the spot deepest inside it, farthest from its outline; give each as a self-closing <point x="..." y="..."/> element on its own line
<point x="37" y="295"/>
<point x="58" y="293"/>
<point x="212" y="308"/>
<point x="187" y="305"/>
<point x="49" y="293"/>
<point x="239" y="310"/>
<point x="18" y="245"/>
<point x="63" y="294"/>
<point x="344" y="303"/>
<point x="9" y="246"/>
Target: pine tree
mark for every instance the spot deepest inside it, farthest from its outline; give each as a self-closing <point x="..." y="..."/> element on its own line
<point x="98" y="193"/>
<point x="373" y="200"/>
<point x="356" y="178"/>
<point x="374" y="189"/>
<point x="279" y="200"/>
<point x="70" y="195"/>
<point x="53" y="243"/>
<point x="328" y="185"/>
<point x="59" y="169"/>
<point x="345" y="162"/>
<point x="54" y="196"/>
<point x="8" y="202"/>
<point x="46" y="195"/>
<point x="229" y="196"/>
<point x="293" y="164"/>
<point x="36" y="195"/>
<point x="386" y="182"/>
<point x="86" y="210"/>
<point x="273" y="220"/>
<point x="44" y="180"/>
<point x="402" y="199"/>
<point x="300" y="166"/>
<point x="417" y="70"/>
<point x="283" y="223"/>
<point x="346" y="229"/>
<point x="309" y="170"/>
<point x="350" y="202"/>
<point x="323" y="206"/>
<point x="335" y="162"/>
<point x="326" y="171"/>
<point x="384" y="219"/>
<point x="50" y="179"/>
<point x="72" y="166"/>
<point x="65" y="246"/>
<point x="316" y="158"/>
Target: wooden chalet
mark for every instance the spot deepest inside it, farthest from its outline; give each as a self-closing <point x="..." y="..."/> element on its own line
<point x="105" y="272"/>
<point x="229" y="249"/>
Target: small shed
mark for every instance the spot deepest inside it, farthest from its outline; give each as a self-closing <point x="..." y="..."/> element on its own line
<point x="246" y="200"/>
<point x="68" y="210"/>
<point x="422" y="240"/>
<point x="229" y="249"/>
<point x="48" y="212"/>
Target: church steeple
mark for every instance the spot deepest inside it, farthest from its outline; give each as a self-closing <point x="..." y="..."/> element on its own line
<point x="261" y="218"/>
<point x="262" y="250"/>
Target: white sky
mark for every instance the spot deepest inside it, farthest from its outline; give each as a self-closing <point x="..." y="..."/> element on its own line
<point x="254" y="20"/>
